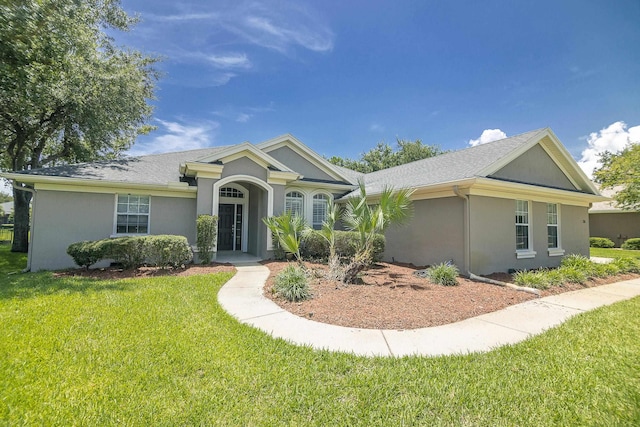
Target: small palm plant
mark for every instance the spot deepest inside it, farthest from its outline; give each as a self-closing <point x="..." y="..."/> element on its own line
<point x="289" y="229"/>
<point x="328" y="233"/>
<point x="392" y="207"/>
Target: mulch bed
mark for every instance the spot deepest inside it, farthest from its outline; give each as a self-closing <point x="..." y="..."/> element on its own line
<point x="392" y="297"/>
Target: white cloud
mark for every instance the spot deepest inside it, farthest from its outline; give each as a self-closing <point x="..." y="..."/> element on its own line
<point x="175" y="136"/>
<point x="613" y="138"/>
<point x="243" y="117"/>
<point x="488" y="135"/>
<point x="232" y="60"/>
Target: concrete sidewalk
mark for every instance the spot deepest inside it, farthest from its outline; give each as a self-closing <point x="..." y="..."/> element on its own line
<point x="242" y="297"/>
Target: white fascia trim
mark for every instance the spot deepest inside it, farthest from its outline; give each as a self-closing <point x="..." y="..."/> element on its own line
<point x="95" y="183"/>
<point x="514" y="190"/>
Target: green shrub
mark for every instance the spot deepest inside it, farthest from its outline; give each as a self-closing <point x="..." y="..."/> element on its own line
<point x="573" y="274"/>
<point x="606" y="269"/>
<point x="315" y="246"/>
<point x="627" y="264"/>
<point x="601" y="242"/>
<point x="129" y="251"/>
<point x="292" y="283"/>
<point x="133" y="251"/>
<point x="554" y="277"/>
<point x="443" y="274"/>
<point x="167" y="250"/>
<point x="85" y="253"/>
<point x="532" y="278"/>
<point x="632" y="244"/>
<point x="206" y="235"/>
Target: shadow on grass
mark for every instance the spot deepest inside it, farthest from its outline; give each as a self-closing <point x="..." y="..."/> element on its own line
<point x="30" y="285"/>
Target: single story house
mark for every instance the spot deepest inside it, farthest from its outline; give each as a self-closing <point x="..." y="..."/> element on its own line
<point x="608" y="220"/>
<point x="520" y="202"/>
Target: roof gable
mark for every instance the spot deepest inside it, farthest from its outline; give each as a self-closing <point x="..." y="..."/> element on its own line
<point x="245" y="149"/>
<point x="307" y="154"/>
<point x="550" y="143"/>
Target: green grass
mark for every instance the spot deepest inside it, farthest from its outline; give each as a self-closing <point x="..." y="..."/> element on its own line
<point x="11" y="262"/>
<point x="161" y="351"/>
<point x="613" y="253"/>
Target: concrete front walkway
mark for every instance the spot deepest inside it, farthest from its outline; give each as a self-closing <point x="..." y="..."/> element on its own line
<point x="242" y="297"/>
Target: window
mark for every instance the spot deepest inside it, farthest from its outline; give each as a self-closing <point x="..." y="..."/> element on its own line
<point x="554" y="243"/>
<point x="552" y="225"/>
<point x="231" y="192"/>
<point x="522" y="225"/>
<point x="524" y="245"/>
<point x="294" y="203"/>
<point x="320" y="205"/>
<point x="132" y="214"/>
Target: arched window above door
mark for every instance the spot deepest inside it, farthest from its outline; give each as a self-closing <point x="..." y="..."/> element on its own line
<point x="231" y="192"/>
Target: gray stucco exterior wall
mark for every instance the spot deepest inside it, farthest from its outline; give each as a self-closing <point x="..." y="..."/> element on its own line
<point x="61" y="218"/>
<point x="434" y="235"/>
<point x="298" y="163"/>
<point x="90" y="216"/>
<point x="493" y="235"/>
<point x="244" y="166"/>
<point x="205" y="196"/>
<point x="536" y="167"/>
<point x="617" y="226"/>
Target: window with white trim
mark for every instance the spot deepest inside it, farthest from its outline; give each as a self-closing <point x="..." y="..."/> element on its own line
<point x="522" y="226"/>
<point x="294" y="203"/>
<point x="132" y="214"/>
<point x="231" y="192"/>
<point x="552" y="226"/>
<point x="320" y="207"/>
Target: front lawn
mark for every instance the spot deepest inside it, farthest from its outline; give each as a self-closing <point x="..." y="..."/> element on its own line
<point x="11" y="262"/>
<point x="161" y="351"/>
<point x="613" y="253"/>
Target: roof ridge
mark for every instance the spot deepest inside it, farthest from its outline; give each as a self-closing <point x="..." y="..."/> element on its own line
<point x="454" y="152"/>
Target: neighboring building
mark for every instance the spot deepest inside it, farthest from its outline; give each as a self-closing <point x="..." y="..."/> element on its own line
<point x="606" y="219"/>
<point x="5" y="212"/>
<point x="517" y="203"/>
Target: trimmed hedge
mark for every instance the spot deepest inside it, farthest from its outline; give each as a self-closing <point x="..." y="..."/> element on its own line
<point x="134" y="251"/>
<point x="316" y="247"/>
<point x="600" y="242"/>
<point x="632" y="244"/>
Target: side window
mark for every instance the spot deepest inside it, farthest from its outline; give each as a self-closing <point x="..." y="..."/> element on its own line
<point x="522" y="226"/>
<point x="294" y="203"/>
<point x="552" y="226"/>
<point x="320" y="204"/>
<point x="132" y="214"/>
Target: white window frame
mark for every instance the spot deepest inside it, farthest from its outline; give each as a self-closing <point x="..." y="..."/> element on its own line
<point x="525" y="252"/>
<point x="557" y="250"/>
<point x="326" y="201"/>
<point x="115" y="215"/>
<point x="288" y="199"/>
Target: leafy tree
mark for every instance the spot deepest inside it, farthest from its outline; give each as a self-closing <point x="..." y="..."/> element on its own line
<point x="392" y="207"/>
<point x="622" y="169"/>
<point x="67" y="92"/>
<point x="383" y="156"/>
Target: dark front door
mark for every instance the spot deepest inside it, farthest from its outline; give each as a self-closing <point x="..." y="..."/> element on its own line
<point x="229" y="227"/>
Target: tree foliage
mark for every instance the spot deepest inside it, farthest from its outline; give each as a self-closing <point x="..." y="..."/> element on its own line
<point x="383" y="156"/>
<point x="67" y="92"/>
<point x="622" y="169"/>
<point x="369" y="219"/>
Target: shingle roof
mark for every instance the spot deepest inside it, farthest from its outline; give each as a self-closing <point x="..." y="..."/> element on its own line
<point x="149" y="169"/>
<point x="449" y="167"/>
<point x="608" y="206"/>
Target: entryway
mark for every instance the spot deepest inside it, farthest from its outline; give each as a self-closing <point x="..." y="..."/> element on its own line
<point x="230" y="226"/>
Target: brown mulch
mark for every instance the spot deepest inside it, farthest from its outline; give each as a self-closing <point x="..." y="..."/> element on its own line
<point x="119" y="273"/>
<point x="392" y="297"/>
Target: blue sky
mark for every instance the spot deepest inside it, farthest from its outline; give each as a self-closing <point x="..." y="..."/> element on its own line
<point x="345" y="75"/>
